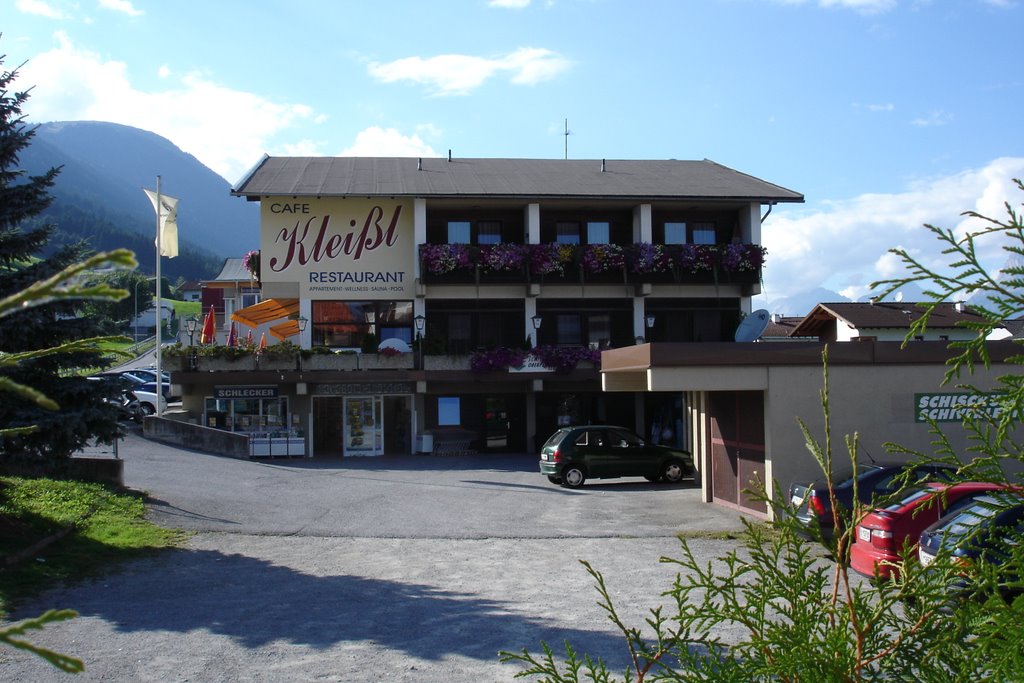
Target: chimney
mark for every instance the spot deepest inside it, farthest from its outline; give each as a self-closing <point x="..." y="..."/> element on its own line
<point x="959" y="306"/>
<point x="419" y="164"/>
<point x="602" y="165"/>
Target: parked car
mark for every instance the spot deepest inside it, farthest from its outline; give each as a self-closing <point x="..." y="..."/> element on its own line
<point x="144" y="375"/>
<point x="884" y="534"/>
<point x="165" y="389"/>
<point x="975" y="534"/>
<point x="874" y="480"/>
<point x="148" y="402"/>
<point x="574" y="454"/>
<point x="120" y="396"/>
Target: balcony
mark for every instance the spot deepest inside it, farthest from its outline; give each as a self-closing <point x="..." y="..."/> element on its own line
<point x="554" y="263"/>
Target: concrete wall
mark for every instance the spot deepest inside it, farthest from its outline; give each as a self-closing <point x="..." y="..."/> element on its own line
<point x="874" y="402"/>
<point x="196" y="437"/>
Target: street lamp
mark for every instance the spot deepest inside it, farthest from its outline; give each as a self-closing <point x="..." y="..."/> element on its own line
<point x="301" y="322"/>
<point x="536" y="320"/>
<point x="190" y="325"/>
<point x="420" y="323"/>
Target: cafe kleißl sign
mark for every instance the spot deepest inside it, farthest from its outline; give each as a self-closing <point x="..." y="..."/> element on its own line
<point x="339" y="248"/>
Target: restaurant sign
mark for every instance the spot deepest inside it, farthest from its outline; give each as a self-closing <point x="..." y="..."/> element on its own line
<point x="339" y="247"/>
<point x="955" y="407"/>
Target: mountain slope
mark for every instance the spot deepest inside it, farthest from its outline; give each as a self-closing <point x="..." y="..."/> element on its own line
<point x="98" y="195"/>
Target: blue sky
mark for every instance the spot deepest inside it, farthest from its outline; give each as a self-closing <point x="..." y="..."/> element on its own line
<point x="885" y="114"/>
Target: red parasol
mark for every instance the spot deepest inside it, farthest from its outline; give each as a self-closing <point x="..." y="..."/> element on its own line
<point x="263" y="343"/>
<point x="209" y="333"/>
<point x="233" y="336"/>
<point x="248" y="339"/>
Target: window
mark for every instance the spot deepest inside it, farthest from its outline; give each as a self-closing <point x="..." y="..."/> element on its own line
<point x="460" y="333"/>
<point x="704" y="233"/>
<point x="567" y="328"/>
<point x="448" y="411"/>
<point x="488" y="232"/>
<point x="598" y="232"/>
<point x="567" y="233"/>
<point x="458" y="232"/>
<point x="250" y="297"/>
<point x="345" y="324"/>
<point x="599" y="329"/>
<point x="675" y="233"/>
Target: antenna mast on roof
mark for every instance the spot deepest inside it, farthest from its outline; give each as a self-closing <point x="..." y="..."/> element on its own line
<point x="566" y="134"/>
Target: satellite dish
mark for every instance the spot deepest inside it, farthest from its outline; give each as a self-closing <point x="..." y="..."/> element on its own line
<point x="753" y="326"/>
<point x="898" y="297"/>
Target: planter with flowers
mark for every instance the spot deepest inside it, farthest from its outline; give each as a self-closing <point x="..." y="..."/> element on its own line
<point x="387" y="359"/>
<point x="446" y="263"/>
<point x="553" y="262"/>
<point x="742" y="262"/>
<point x="558" y="358"/>
<point x="648" y="262"/>
<point x="251" y="262"/>
<point x="603" y="263"/>
<point x="502" y="262"/>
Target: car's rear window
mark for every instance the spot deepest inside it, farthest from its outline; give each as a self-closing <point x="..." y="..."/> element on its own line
<point x="555" y="438"/>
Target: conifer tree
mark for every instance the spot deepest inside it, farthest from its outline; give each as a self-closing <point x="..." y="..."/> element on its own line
<point x="83" y="416"/>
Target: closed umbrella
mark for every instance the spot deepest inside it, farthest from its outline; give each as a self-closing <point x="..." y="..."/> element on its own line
<point x="209" y="334"/>
<point x="233" y="336"/>
<point x="263" y="342"/>
<point x="248" y="339"/>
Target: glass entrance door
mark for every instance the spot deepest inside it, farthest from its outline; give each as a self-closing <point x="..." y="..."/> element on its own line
<point x="364" y="425"/>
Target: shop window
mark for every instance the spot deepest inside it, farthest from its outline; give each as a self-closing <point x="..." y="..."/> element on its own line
<point x="704" y="233"/>
<point x="567" y="233"/>
<point x="598" y="232"/>
<point x="675" y="233"/>
<point x="247" y="415"/>
<point x="345" y="324"/>
<point x="449" y="411"/>
<point x="458" y="232"/>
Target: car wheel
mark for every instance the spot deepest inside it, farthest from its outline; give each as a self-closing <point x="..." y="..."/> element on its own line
<point x="146" y="409"/>
<point x="573" y="477"/>
<point x="673" y="471"/>
<point x="554" y="480"/>
<point x="652" y="478"/>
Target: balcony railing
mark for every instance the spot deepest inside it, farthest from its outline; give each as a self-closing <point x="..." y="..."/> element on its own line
<point x="596" y="263"/>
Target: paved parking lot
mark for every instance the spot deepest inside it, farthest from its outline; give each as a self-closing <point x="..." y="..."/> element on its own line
<point x="418" y="568"/>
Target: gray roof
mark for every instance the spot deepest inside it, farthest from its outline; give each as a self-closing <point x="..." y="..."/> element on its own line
<point x="232" y="271"/>
<point x="540" y="178"/>
<point x="888" y="314"/>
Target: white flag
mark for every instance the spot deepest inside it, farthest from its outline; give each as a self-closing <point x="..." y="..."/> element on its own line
<point x="168" y="215"/>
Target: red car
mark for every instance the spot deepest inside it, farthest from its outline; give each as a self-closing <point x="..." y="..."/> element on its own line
<point x="883" y="533"/>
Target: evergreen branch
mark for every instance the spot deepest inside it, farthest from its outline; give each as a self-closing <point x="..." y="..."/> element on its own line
<point x="65" y="285"/>
<point x="62" y="662"/>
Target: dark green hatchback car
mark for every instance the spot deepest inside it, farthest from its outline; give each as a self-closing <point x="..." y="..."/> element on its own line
<point x="574" y="454"/>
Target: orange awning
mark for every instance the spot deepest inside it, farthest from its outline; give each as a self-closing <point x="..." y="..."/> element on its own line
<point x="267" y="311"/>
<point x="284" y="330"/>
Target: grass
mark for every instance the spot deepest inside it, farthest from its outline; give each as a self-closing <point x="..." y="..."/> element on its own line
<point x="109" y="527"/>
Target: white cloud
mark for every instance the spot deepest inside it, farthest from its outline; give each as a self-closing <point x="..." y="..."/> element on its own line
<point x="459" y="74"/>
<point x="844" y="245"/>
<point x="39" y="8"/>
<point x="861" y="6"/>
<point x="935" y="118"/>
<point x="388" y="142"/>
<point x="124" y="6"/>
<point x="509" y="4"/>
<point x="881" y="107"/>
<point x="227" y="130"/>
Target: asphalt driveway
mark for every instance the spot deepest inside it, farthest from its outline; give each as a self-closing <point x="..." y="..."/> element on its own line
<point x="418" y="568"/>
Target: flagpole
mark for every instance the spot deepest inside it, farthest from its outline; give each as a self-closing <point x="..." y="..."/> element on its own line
<point x="159" y="304"/>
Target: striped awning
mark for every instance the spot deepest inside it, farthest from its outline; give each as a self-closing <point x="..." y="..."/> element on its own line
<point x="284" y="330"/>
<point x="267" y="311"/>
